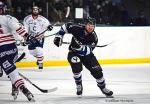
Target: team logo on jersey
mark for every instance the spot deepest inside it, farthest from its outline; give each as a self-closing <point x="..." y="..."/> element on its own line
<point x="6" y="64"/>
<point x="75" y="59"/>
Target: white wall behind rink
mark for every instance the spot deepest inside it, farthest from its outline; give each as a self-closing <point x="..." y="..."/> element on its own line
<point x="128" y="42"/>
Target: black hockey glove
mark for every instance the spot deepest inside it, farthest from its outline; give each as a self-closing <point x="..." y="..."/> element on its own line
<point x="30" y="39"/>
<point x="50" y="27"/>
<point x="23" y="43"/>
<point x="58" y="41"/>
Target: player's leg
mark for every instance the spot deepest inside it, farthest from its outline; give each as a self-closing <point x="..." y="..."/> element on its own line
<point x="18" y="84"/>
<point x="39" y="52"/>
<point x="8" y="65"/>
<point x="40" y="57"/>
<point x="76" y="66"/>
<point x="32" y="50"/>
<point x="94" y="67"/>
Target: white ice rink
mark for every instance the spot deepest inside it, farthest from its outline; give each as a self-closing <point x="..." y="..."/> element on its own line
<point x="130" y="84"/>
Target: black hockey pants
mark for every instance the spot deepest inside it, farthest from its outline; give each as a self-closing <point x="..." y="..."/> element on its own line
<point x="89" y="61"/>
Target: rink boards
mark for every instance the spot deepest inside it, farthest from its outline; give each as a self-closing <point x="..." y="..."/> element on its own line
<point x="128" y="45"/>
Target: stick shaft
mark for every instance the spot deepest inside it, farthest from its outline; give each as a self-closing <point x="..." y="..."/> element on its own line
<point x="42" y="90"/>
<point x="90" y="45"/>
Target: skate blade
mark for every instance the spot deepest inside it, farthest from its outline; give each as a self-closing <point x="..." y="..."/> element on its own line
<point x="32" y="100"/>
<point x="15" y="97"/>
<point x="39" y="70"/>
<point x="109" y="96"/>
<point x="79" y="96"/>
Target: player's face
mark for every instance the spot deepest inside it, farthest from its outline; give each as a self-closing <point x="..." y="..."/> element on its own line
<point x="90" y="28"/>
<point x="35" y="11"/>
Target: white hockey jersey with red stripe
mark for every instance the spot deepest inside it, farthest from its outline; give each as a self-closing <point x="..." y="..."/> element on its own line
<point x="8" y="27"/>
<point x="35" y="26"/>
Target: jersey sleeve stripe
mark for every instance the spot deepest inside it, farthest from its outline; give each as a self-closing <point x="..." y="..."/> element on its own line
<point x="18" y="28"/>
<point x="21" y="31"/>
<point x="7" y="40"/>
<point x="6" y="36"/>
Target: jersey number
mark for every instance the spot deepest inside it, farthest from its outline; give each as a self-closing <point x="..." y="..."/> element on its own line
<point x="1" y="30"/>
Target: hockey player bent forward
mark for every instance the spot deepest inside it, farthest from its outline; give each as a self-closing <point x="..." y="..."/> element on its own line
<point x="9" y="51"/>
<point x="80" y="53"/>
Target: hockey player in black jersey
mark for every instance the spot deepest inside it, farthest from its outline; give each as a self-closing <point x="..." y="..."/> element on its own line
<point x="80" y="53"/>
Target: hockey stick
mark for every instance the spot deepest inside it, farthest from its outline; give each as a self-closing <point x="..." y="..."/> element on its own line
<point x="66" y="16"/>
<point x="21" y="57"/>
<point x="92" y="45"/>
<point x="68" y="12"/>
<point x="39" y="37"/>
<point x="42" y="90"/>
<point x="24" y="44"/>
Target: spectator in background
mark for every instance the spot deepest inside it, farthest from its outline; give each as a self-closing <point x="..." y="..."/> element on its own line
<point x="124" y="16"/>
<point x="141" y="20"/>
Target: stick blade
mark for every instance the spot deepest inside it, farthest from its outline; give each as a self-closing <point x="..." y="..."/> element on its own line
<point x="53" y="89"/>
<point x="49" y="90"/>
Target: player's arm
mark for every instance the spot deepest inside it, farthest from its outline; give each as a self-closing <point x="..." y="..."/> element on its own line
<point x="25" y="23"/>
<point x="19" y="28"/>
<point x="14" y="25"/>
<point x="86" y="49"/>
<point x="66" y="28"/>
<point x="46" y="24"/>
<point x="95" y="41"/>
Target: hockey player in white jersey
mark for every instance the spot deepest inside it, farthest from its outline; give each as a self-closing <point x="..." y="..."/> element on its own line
<point x="36" y="24"/>
<point x="9" y="51"/>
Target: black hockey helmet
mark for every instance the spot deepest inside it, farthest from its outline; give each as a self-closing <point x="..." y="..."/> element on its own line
<point x="2" y="8"/>
<point x="90" y="24"/>
<point x="90" y="20"/>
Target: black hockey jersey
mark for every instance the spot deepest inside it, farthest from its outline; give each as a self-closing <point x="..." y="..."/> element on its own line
<point x="80" y="36"/>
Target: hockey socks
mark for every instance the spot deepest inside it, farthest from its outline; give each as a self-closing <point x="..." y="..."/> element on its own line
<point x="78" y="81"/>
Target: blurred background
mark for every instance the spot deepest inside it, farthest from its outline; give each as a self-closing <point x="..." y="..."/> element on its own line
<point x="106" y="12"/>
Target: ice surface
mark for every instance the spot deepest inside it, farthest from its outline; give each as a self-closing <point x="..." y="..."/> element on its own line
<point x="130" y="84"/>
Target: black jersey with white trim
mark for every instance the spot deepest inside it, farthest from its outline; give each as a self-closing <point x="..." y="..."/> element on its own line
<point x="80" y="36"/>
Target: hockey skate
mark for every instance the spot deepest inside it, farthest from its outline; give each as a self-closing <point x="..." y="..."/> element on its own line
<point x="108" y="93"/>
<point x="79" y="89"/>
<point x="27" y="93"/>
<point x="37" y="63"/>
<point x="40" y="65"/>
<point x="14" y="92"/>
